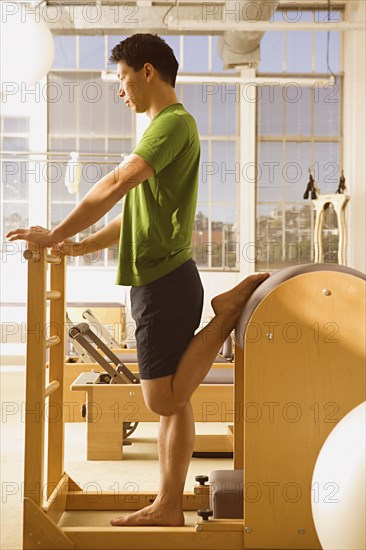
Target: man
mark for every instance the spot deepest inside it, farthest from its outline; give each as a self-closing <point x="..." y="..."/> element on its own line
<point x="159" y="181"/>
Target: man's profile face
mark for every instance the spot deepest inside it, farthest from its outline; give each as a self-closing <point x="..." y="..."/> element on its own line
<point x="132" y="87"/>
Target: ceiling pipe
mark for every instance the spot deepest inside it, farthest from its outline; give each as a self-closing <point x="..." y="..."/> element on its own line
<point x="243" y="48"/>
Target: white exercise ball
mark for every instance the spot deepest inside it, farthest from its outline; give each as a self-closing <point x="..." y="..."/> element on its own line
<point x="27" y="46"/>
<point x="338" y="485"/>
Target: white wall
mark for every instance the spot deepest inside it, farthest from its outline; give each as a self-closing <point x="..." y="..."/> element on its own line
<point x="354" y="134"/>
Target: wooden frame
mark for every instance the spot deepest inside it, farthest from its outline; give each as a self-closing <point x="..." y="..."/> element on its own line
<point x="271" y="369"/>
<point x="75" y="398"/>
<point x="109" y="405"/>
<point x="211" y="403"/>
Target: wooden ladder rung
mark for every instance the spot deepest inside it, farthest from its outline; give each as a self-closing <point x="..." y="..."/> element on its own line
<point x="53" y="294"/>
<point x="50" y="259"/>
<point x="36" y="255"/>
<point x="52" y="341"/>
<point x="51" y="387"/>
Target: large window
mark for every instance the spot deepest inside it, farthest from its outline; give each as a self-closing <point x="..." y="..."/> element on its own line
<point x="14" y="145"/>
<point x="298" y="129"/>
<point x="89" y="118"/>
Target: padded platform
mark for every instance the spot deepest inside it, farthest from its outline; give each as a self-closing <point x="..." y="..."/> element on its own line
<point x="226" y="494"/>
<point x="273" y="282"/>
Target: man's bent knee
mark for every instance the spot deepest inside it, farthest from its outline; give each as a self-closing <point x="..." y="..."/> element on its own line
<point x="159" y="397"/>
<point x="169" y="409"/>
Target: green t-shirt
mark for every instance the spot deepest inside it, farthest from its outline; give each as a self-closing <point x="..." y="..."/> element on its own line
<point x="158" y="214"/>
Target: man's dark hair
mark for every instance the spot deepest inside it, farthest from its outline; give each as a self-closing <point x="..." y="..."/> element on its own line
<point x="141" y="48"/>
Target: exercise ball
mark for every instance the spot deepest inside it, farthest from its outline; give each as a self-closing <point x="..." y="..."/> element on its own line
<point x="27" y="46"/>
<point x="338" y="485"/>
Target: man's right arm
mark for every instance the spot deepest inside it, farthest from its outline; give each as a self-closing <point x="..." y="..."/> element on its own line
<point x="104" y="238"/>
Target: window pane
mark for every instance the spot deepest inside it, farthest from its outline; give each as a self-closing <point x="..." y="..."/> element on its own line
<point x="113" y="40"/>
<point x="224" y="238"/>
<point x="322" y="16"/>
<point x="65" y="52"/>
<point x="92" y="105"/>
<point x="326" y="110"/>
<point x="93" y="258"/>
<point x="269" y="237"/>
<point x="15" y="180"/>
<point x="321" y="40"/>
<point x="330" y="235"/>
<point x="15" y="215"/>
<point x="191" y="97"/>
<point x="59" y="212"/>
<point x="270" y="111"/>
<point x="272" y="48"/>
<point x="224" y="104"/>
<point x="92" y="172"/>
<point x="63" y="117"/>
<point x="225" y="171"/>
<point x="62" y="144"/>
<point x="204" y="171"/>
<point x="225" y="214"/>
<point x="269" y="183"/>
<point x="200" y="237"/>
<point x="120" y="118"/>
<point x="296" y="169"/>
<point x="56" y="181"/>
<point x="92" y="52"/>
<point x="195" y="54"/>
<point x="92" y="145"/>
<point x="174" y="43"/>
<point x="327" y="169"/>
<point x="298" y="110"/>
<point x="299" y="52"/>
<point x="16" y="125"/>
<point x="298" y="247"/>
<point x="120" y="146"/>
<point x="15" y="144"/>
<point x="299" y="45"/>
<point x="112" y="252"/>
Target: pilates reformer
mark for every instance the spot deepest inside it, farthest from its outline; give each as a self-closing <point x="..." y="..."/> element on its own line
<point x="80" y="353"/>
<point x="300" y="349"/>
<point x="83" y="338"/>
<point x="90" y="346"/>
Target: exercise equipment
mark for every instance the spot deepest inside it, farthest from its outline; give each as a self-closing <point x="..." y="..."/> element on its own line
<point x="103" y="421"/>
<point x="300" y="349"/>
<point x="321" y="203"/>
<point x="106" y="439"/>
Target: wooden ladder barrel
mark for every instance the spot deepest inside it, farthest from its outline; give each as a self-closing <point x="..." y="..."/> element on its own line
<point x="41" y="335"/>
<point x="303" y="371"/>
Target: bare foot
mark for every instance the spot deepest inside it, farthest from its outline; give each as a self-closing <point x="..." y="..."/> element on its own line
<point x="230" y="303"/>
<point x="151" y="515"/>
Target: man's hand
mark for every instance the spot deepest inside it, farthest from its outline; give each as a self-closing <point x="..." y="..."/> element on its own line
<point x="34" y="234"/>
<point x="72" y="248"/>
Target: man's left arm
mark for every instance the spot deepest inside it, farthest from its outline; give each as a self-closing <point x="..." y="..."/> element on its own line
<point x="96" y="203"/>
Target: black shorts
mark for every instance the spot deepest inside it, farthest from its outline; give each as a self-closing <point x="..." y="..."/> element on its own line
<point x="167" y="312"/>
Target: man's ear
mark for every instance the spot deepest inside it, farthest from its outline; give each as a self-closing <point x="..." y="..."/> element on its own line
<point x="149" y="70"/>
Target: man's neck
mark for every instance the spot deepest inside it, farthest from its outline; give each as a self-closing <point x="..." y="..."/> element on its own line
<point x="160" y="104"/>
